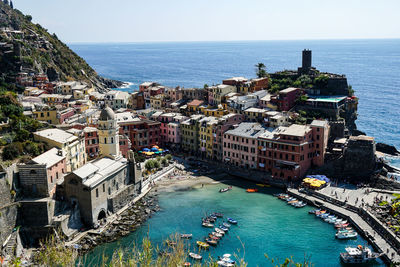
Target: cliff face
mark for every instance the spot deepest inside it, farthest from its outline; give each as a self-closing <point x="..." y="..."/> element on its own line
<point x="28" y="47"/>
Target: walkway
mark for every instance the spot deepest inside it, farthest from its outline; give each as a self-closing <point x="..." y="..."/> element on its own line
<point x="380" y="244"/>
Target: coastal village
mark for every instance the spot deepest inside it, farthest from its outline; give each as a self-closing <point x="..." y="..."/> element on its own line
<point x="86" y="169"/>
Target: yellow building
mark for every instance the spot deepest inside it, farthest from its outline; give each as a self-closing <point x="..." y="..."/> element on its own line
<point x="73" y="146"/>
<point x="219" y="91"/>
<point x="47" y="115"/>
<point x="156" y="101"/>
<point x="205" y="135"/>
<point x="215" y="112"/>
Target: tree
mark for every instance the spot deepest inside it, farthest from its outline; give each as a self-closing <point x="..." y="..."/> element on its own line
<point x="261" y="70"/>
<point x="164" y="161"/>
<point x="6" y="2"/>
<point x="168" y="157"/>
<point x="157" y="164"/>
<point x="149" y="165"/>
<point x="11" y="4"/>
<point x="12" y="151"/>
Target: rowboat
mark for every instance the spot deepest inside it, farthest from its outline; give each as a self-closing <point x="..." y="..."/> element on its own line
<point x="227" y="225"/>
<point x="186" y="236"/>
<point x="222" y="190"/>
<point x="208" y="225"/>
<point x="220" y="231"/>
<point x="223" y="228"/>
<point x="341" y="225"/>
<point x="300" y="205"/>
<point x="232" y="221"/>
<point x="212" y="242"/>
<point x="195" y="256"/>
<point x="347" y="235"/>
<point x="292" y="201"/>
<point x="219" y="215"/>
<point x="252" y="190"/>
<point x="213" y="237"/>
<point x="202" y="244"/>
<point x="217" y="234"/>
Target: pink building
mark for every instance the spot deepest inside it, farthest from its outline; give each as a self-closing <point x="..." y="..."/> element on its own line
<point x="175" y="94"/>
<point x="224" y="124"/>
<point x="65" y="114"/>
<point x="124" y="145"/>
<point x="240" y="144"/>
<point x="289" y="152"/>
<point x="91" y="142"/>
<point x="170" y="128"/>
<point x="41" y="175"/>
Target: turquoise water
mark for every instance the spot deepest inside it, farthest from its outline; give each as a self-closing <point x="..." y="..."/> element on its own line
<point x="266" y="225"/>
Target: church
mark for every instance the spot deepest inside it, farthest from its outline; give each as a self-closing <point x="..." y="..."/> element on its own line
<point x="103" y="186"/>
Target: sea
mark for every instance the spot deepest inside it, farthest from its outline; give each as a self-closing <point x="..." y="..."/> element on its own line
<point x="372" y="68"/>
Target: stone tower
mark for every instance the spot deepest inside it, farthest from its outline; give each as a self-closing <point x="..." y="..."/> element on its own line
<point x="306" y="60"/>
<point x="108" y="132"/>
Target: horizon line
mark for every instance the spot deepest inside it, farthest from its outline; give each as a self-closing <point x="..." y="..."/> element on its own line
<point x="231" y="41"/>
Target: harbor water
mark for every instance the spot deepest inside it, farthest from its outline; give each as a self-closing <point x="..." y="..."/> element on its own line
<point x="266" y="226"/>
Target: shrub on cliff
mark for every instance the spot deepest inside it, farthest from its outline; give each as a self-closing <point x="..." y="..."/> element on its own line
<point x="12" y="151"/>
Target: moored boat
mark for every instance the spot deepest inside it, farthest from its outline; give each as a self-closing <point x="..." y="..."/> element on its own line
<point x="195" y="256"/>
<point x="358" y="255"/>
<point x="223" y="228"/>
<point x="252" y="190"/>
<point x="222" y="190"/>
<point x="208" y="225"/>
<point x="220" y="231"/>
<point x="227" y="225"/>
<point x="217" y="234"/>
<point x="212" y="242"/>
<point x="346" y="235"/>
<point x="213" y="237"/>
<point x="186" y="236"/>
<point x="219" y="215"/>
<point x="232" y="221"/>
<point x="202" y="244"/>
<point x="341" y="225"/>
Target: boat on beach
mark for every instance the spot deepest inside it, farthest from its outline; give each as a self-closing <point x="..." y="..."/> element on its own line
<point x="195" y="256"/>
<point x="222" y="190"/>
<point x="251" y="190"/>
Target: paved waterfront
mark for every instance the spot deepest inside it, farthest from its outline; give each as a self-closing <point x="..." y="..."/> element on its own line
<point x="359" y="222"/>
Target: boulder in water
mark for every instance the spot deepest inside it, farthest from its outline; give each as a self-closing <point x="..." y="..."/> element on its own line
<point x="387" y="149"/>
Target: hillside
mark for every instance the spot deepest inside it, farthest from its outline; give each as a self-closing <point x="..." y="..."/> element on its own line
<point x="28" y="47"/>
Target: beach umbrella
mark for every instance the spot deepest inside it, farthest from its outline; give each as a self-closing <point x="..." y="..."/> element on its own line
<point x="156" y="147"/>
<point x="140" y="151"/>
<point x="146" y="149"/>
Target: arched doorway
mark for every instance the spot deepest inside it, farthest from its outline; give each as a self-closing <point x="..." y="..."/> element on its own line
<point x="101" y="216"/>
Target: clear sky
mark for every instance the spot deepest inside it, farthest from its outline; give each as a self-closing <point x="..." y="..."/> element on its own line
<point x="214" y="20"/>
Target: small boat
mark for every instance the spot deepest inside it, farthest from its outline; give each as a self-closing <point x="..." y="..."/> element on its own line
<point x="222" y="190"/>
<point x="345" y="231"/>
<point x="252" y="190"/>
<point x="263" y="185"/>
<point x="202" y="244"/>
<point x="341" y="225"/>
<point x="347" y="235"/>
<point x="213" y="237"/>
<point x="208" y="225"/>
<point x="219" y="215"/>
<point x="170" y="243"/>
<point x="212" y="242"/>
<point x="227" y="225"/>
<point x="225" y="261"/>
<point x="220" y="231"/>
<point x="186" y="236"/>
<point x="232" y="221"/>
<point x="302" y="205"/>
<point x="223" y="228"/>
<point x="313" y="211"/>
<point x="359" y="255"/>
<point x="195" y="256"/>
<point x="292" y="201"/>
<point x="217" y="234"/>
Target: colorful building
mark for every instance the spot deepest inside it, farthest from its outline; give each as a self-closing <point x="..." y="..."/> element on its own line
<point x="190" y="134"/>
<point x="288" y="152"/>
<point x="73" y="147"/>
<point x="240" y="144"/>
<point x="206" y="137"/>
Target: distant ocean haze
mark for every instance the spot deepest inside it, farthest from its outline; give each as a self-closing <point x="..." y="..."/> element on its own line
<point x="372" y="67"/>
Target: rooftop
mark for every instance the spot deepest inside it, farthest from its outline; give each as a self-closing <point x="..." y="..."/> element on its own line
<point x="248" y="129"/>
<point x="288" y="90"/>
<point x="57" y="135"/>
<point x="126" y="117"/>
<point x="49" y="158"/>
<point x="319" y="123"/>
<point x="255" y="110"/>
<point x="98" y="170"/>
<point x="196" y="102"/>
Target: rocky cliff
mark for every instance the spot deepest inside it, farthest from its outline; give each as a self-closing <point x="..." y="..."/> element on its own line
<point x="28" y="47"/>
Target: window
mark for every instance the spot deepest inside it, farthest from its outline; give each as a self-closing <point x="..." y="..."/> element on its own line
<point x="104" y="188"/>
<point x="97" y="192"/>
<point x="32" y="172"/>
<point x="105" y="140"/>
<point x="112" y="140"/>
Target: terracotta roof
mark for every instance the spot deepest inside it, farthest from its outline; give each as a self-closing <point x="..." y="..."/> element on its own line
<point x="196" y="102"/>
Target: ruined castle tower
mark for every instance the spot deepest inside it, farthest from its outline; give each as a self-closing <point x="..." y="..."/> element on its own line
<point x="306" y="62"/>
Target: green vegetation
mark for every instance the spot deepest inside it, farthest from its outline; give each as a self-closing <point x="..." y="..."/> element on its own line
<point x="156" y="163"/>
<point x="17" y="139"/>
<point x="139" y="157"/>
<point x="261" y="70"/>
<point x="52" y="252"/>
<point x="168" y="157"/>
